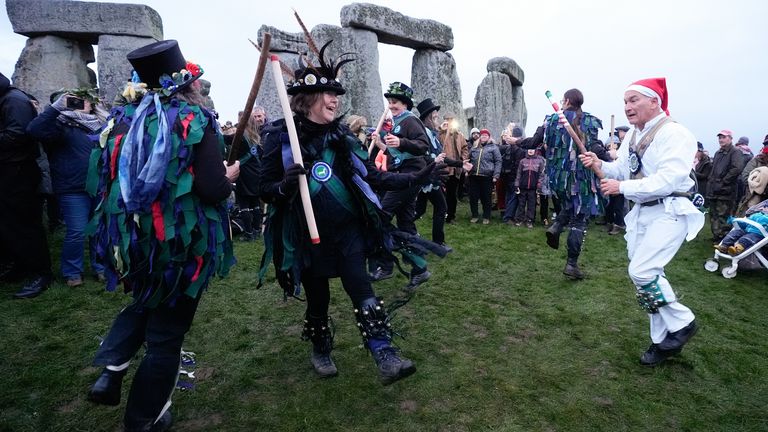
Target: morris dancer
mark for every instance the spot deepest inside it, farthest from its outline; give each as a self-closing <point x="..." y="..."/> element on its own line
<point x="573" y="184"/>
<point x="347" y="213"/>
<point x="653" y="170"/>
<point x="161" y="227"/>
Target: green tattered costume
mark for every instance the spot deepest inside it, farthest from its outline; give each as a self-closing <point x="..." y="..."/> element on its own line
<point x="575" y="186"/>
<point x="172" y="244"/>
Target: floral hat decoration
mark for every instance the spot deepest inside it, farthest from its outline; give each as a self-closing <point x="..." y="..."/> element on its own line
<point x="401" y="92"/>
<point x="160" y="67"/>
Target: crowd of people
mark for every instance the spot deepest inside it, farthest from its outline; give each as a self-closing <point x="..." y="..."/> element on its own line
<point x="146" y="188"/>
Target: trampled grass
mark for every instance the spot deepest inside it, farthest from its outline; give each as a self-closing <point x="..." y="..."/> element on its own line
<point x="502" y="342"/>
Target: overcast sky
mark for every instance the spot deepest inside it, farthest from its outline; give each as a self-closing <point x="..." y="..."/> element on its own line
<point x="714" y="54"/>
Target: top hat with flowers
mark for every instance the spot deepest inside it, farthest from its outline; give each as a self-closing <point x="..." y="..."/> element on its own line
<point x="162" y="67"/>
<point x="310" y="78"/>
<point x="401" y="92"/>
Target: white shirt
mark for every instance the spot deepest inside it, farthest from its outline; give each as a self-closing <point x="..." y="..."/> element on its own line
<point x="666" y="167"/>
<point x="666" y="163"/>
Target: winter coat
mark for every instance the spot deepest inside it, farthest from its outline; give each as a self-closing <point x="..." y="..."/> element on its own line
<point x="16" y="111"/>
<point x="455" y="147"/>
<point x="68" y="147"/>
<point x="726" y="167"/>
<point x="703" y="170"/>
<point x="511" y="155"/>
<point x="530" y="173"/>
<point x="485" y="160"/>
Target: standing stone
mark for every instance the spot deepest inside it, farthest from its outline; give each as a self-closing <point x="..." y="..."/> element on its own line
<point x="434" y="75"/>
<point x="285" y="45"/>
<point x="397" y="29"/>
<point x="84" y="21"/>
<point x="508" y="67"/>
<point x="519" y="113"/>
<point x="114" y="68"/>
<point x="361" y="77"/>
<point x="493" y="102"/>
<point x="49" y="63"/>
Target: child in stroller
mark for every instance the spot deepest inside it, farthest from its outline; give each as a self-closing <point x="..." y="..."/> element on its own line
<point x="747" y="237"/>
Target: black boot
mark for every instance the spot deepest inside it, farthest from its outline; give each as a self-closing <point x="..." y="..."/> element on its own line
<point x="655" y="355"/>
<point x="162" y="424"/>
<point x="106" y="389"/>
<point x="373" y="322"/>
<point x="554" y="231"/>
<point x="319" y="332"/>
<point x="575" y="241"/>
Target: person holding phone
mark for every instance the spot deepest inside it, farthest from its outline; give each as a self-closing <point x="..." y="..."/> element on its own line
<point x="63" y="129"/>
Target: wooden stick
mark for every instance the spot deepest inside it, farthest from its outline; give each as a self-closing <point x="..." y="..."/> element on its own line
<point x="306" y="201"/>
<point x="251" y="99"/>
<point x="376" y="133"/>
<point x="582" y="148"/>
<point x="610" y="135"/>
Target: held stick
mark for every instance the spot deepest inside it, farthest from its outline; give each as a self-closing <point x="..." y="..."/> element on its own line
<point x="376" y="133"/>
<point x="250" y="100"/>
<point x="295" y="149"/>
<point x="582" y="149"/>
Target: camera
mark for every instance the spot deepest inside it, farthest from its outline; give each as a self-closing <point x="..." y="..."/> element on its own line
<point x="75" y="103"/>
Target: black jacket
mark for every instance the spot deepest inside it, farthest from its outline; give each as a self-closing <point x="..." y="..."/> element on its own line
<point x="16" y="111"/>
<point x="702" y="171"/>
<point x="68" y="147"/>
<point x="726" y="167"/>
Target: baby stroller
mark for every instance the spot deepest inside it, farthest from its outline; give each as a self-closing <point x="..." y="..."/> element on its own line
<point x="751" y="258"/>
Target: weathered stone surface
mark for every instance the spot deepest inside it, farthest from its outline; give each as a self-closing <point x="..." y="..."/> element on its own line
<point x="48" y="63"/>
<point x="519" y="113"/>
<point x="397" y="29"/>
<point x="205" y="90"/>
<point x="267" y="96"/>
<point x="83" y="21"/>
<point x="360" y="78"/>
<point x="508" y="67"/>
<point x="493" y="103"/>
<point x="282" y="41"/>
<point x="114" y="69"/>
<point x="434" y="75"/>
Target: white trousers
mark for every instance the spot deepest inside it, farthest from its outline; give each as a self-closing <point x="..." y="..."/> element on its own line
<point x="651" y="244"/>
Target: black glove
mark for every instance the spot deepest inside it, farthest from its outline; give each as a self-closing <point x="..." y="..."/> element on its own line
<point x="432" y="173"/>
<point x="290" y="182"/>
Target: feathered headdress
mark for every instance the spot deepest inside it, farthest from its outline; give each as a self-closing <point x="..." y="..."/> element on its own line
<point x="310" y="78"/>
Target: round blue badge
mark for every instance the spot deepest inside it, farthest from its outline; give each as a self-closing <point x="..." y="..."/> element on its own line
<point x="321" y="172"/>
<point x="254" y="151"/>
<point x="397" y="129"/>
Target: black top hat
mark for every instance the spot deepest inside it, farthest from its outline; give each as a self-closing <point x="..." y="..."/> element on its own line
<point x="321" y="78"/>
<point x="162" y="66"/>
<point x="425" y="107"/>
<point x="401" y="92"/>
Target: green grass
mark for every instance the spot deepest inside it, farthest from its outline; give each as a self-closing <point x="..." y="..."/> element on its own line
<point x="502" y="342"/>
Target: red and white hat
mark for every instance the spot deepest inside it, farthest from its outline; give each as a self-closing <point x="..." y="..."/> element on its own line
<point x="652" y="87"/>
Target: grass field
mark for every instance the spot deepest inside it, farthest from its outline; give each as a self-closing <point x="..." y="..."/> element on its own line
<point x="502" y="342"/>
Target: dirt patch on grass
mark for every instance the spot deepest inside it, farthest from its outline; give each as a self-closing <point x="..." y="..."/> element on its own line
<point x="408" y="406"/>
<point x="201" y="424"/>
<point x="477" y="330"/>
<point x="70" y="406"/>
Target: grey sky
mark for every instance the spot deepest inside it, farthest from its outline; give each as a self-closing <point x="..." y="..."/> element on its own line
<point x="714" y="54"/>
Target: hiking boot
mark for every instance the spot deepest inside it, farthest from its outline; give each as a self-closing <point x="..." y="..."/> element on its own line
<point x="721" y="248"/>
<point x="323" y="364"/>
<point x="381" y="274"/>
<point x="391" y="366"/>
<point x="655" y="355"/>
<point x="473" y="220"/>
<point x="676" y="340"/>
<point x="615" y="229"/>
<point x="417" y="280"/>
<point x="572" y="271"/>
<point x="545" y="222"/>
<point x="74" y="282"/>
<point x="106" y="389"/>
<point x="735" y="249"/>
<point x="529" y="224"/>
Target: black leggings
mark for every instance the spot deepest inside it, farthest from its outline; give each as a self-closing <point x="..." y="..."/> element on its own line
<point x="354" y="279"/>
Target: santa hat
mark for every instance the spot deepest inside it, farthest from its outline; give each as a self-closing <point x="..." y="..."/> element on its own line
<point x="653" y="87"/>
